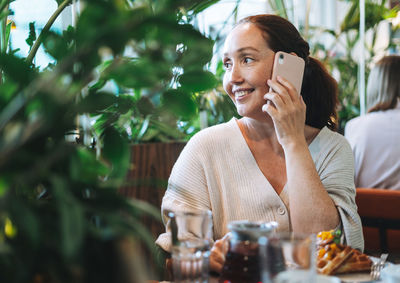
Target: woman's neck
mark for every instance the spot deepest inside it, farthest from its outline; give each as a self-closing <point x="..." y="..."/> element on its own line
<point x="258" y="130"/>
<point x="260" y="133"/>
<point x="263" y="130"/>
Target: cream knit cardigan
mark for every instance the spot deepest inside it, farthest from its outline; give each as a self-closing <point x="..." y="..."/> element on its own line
<point x="217" y="171"/>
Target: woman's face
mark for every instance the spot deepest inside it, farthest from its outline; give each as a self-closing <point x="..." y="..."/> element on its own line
<point x="248" y="62"/>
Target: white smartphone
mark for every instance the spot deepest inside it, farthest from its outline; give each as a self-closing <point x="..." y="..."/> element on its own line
<point x="289" y="67"/>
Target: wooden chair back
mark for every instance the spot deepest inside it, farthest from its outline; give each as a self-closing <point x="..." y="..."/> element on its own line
<point x="151" y="165"/>
<point x="379" y="210"/>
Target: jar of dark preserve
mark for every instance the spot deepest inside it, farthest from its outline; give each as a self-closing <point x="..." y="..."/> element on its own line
<point x="242" y="261"/>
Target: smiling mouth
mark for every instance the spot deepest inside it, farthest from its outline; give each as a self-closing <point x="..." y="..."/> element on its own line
<point x="242" y="93"/>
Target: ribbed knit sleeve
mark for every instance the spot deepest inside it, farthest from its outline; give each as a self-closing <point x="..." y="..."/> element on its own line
<point x="187" y="186"/>
<point x="335" y="166"/>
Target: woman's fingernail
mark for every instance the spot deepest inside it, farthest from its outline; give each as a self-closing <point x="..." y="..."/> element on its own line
<point x="264" y="107"/>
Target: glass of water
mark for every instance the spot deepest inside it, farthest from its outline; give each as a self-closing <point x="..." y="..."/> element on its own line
<point x="191" y="243"/>
<point x="288" y="258"/>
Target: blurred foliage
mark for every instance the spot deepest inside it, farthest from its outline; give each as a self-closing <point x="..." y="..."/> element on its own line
<point x="137" y="70"/>
<point x="217" y="103"/>
<point x="341" y="55"/>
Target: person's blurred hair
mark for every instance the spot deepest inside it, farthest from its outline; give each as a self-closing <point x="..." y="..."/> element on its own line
<point x="383" y="88"/>
<point x="319" y="89"/>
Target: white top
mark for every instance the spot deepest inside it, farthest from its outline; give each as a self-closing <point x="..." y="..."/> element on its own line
<point x="216" y="170"/>
<point x="375" y="140"/>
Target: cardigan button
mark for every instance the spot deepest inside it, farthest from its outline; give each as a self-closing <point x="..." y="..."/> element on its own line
<point x="281" y="210"/>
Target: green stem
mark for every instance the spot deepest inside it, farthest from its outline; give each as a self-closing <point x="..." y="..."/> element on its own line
<point x="46" y="28"/>
<point x="3" y="42"/>
<point x="4" y="5"/>
<point x="3" y="27"/>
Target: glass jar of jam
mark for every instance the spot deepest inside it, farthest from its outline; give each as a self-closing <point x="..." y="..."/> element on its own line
<point x="242" y="261"/>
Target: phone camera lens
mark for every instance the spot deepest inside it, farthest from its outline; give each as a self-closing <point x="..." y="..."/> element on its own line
<point x="280" y="56"/>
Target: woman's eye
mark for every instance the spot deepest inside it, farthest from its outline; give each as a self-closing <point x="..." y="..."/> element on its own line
<point x="248" y="60"/>
<point x="227" y="65"/>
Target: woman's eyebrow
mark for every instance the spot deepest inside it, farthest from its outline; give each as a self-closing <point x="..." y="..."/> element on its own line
<point x="243" y="49"/>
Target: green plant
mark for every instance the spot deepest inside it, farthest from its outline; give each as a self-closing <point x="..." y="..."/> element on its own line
<point x="141" y="79"/>
<point x="340" y="54"/>
<point x="61" y="217"/>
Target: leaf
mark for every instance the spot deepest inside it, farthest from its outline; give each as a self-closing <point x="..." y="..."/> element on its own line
<point x="98" y="23"/>
<point x="8" y="31"/>
<point x="84" y="166"/>
<point x="55" y="45"/>
<point x="125" y="103"/>
<point x="140" y="73"/>
<point x="374" y="13"/>
<point x="390" y="14"/>
<point x="169" y="130"/>
<point x="32" y="35"/>
<point x="17" y="69"/>
<point x="7" y="91"/>
<point x="70" y="219"/>
<point x="105" y="120"/>
<point x="279" y="8"/>
<point x="198" y="48"/>
<point x="116" y="150"/>
<point x="25" y="220"/>
<point x="199" y="7"/>
<point x="4" y="10"/>
<point x="179" y="102"/>
<point x="196" y="81"/>
<point x="3" y="186"/>
<point x="95" y="102"/>
<point x="143" y="128"/>
<point x="145" y="106"/>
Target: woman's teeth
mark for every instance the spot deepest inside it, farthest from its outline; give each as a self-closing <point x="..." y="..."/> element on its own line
<point x="241" y="93"/>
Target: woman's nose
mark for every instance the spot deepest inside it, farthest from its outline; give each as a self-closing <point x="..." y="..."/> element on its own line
<point x="236" y="75"/>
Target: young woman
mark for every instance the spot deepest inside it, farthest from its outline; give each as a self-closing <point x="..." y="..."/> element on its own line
<point x="281" y="161"/>
<point x="374" y="137"/>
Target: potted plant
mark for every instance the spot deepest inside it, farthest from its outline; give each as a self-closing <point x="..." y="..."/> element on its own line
<point x="339" y="56"/>
<point x="61" y="216"/>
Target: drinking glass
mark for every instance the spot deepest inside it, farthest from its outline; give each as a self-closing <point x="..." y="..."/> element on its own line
<point x="191" y="243"/>
<point x="288" y="258"/>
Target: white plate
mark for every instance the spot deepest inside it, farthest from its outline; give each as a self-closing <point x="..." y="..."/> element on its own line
<point x="294" y="276"/>
<point x="355" y="277"/>
<point x="327" y="279"/>
<point x="360" y="276"/>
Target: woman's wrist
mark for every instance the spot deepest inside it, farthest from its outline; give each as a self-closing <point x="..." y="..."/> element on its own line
<point x="294" y="145"/>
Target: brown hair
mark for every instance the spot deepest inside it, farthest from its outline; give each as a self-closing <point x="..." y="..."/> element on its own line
<point x="319" y="89"/>
<point x="383" y="89"/>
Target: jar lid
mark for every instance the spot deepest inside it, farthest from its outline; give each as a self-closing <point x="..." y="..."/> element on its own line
<point x="248" y="230"/>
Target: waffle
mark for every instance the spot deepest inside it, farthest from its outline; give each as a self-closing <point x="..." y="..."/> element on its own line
<point x="331" y="257"/>
<point x="334" y="258"/>
<point x="356" y="263"/>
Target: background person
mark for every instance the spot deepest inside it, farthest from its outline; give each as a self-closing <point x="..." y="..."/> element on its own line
<point x="375" y="137"/>
<point x="281" y="161"/>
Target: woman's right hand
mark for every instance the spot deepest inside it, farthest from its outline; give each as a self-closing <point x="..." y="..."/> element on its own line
<point x="218" y="252"/>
